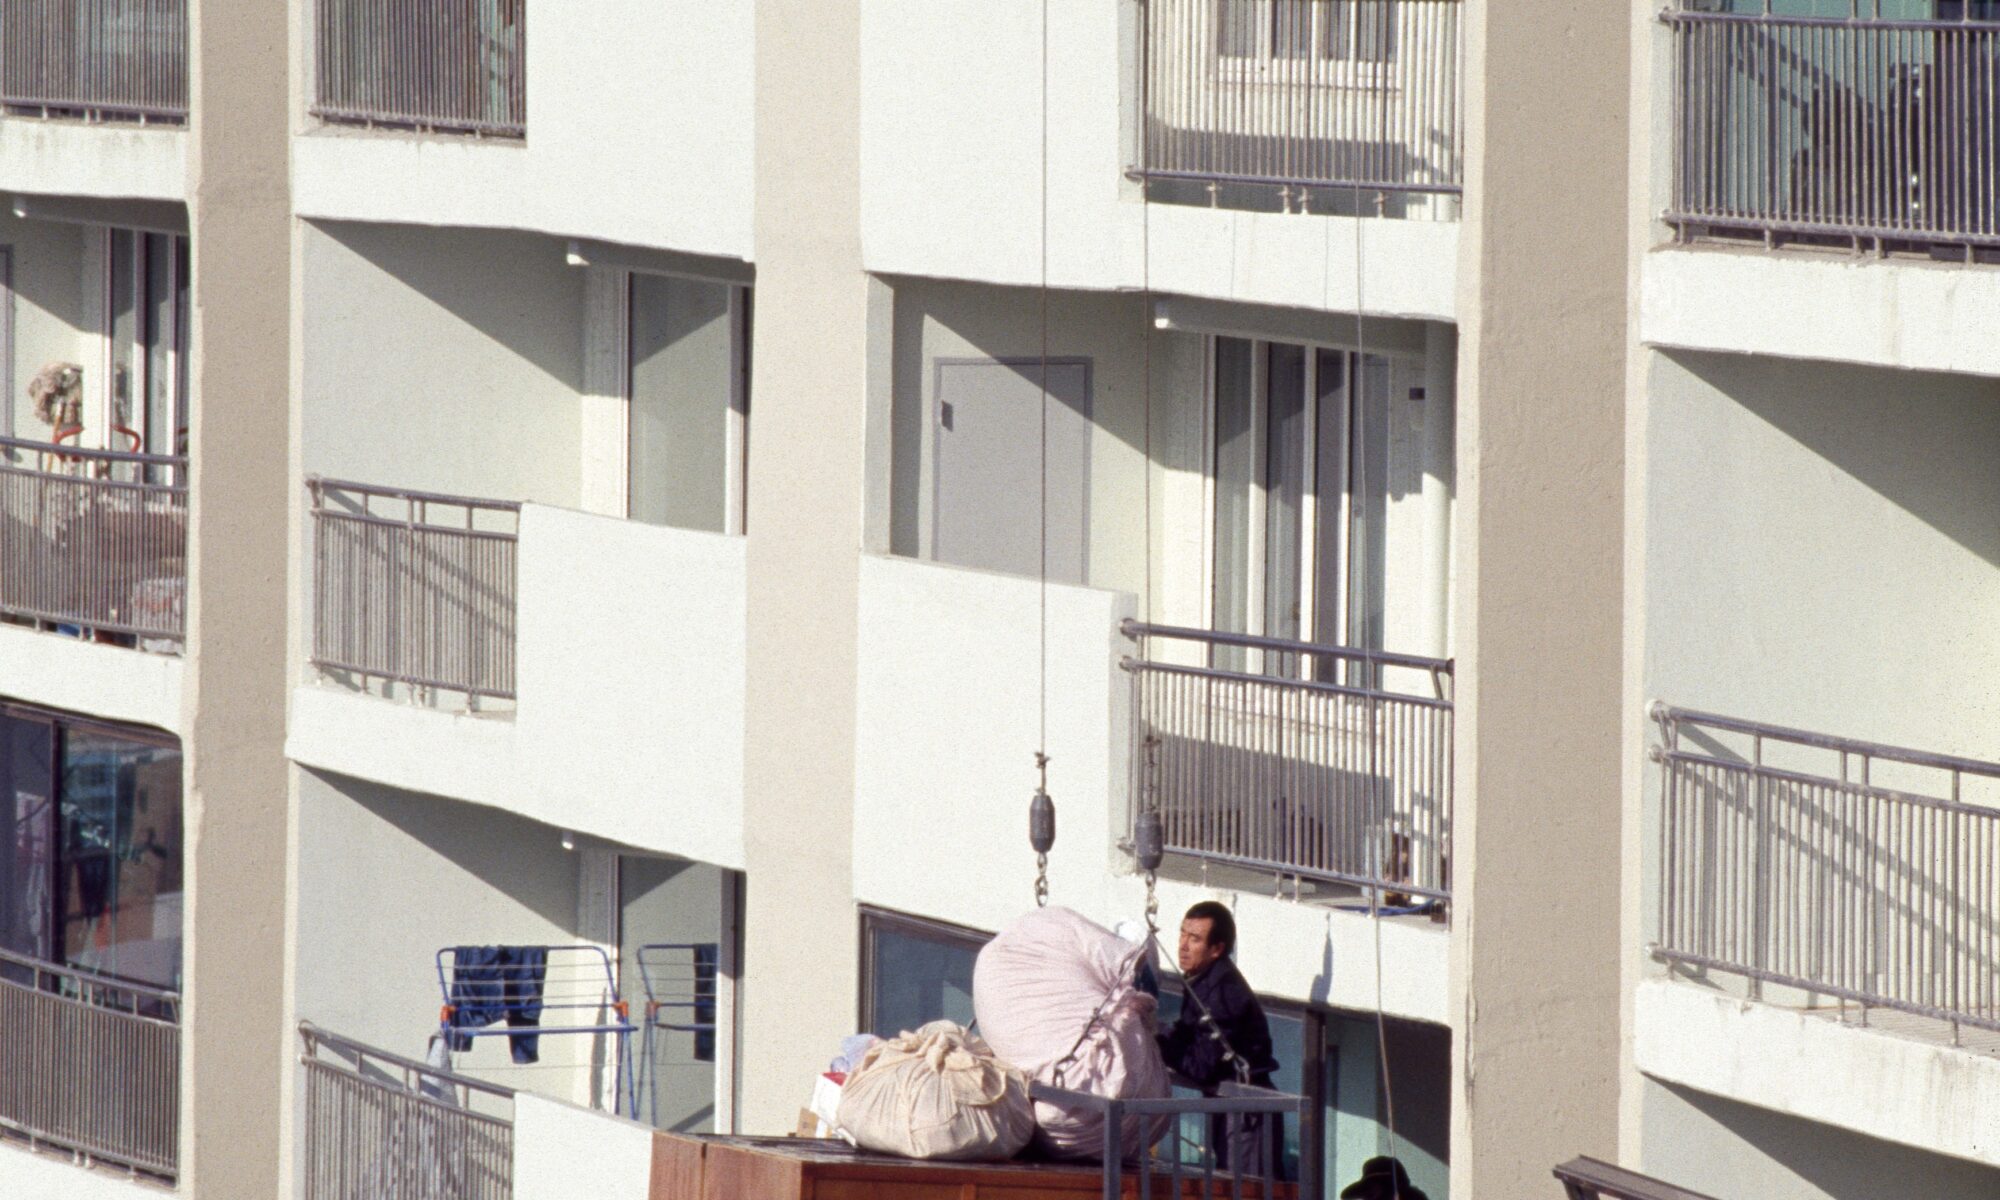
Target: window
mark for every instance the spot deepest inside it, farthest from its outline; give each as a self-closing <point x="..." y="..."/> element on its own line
<point x="7" y="340"/>
<point x="92" y="874"/>
<point x="687" y="426"/>
<point x="1300" y="485"/>
<point x="1278" y="31"/>
<point x="914" y="972"/>
<point x="146" y="306"/>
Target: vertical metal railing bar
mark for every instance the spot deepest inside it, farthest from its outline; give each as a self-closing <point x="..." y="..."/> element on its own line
<point x="110" y="60"/>
<point x="1828" y="883"/>
<point x="96" y="540"/>
<point x="426" y="604"/>
<point x="90" y="1063"/>
<point x="1302" y="93"/>
<point x="1862" y="131"/>
<point x="380" y="1125"/>
<point x="1314" y="780"/>
<point x="453" y="67"/>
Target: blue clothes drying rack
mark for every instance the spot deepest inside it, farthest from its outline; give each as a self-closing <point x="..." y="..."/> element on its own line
<point x="680" y="983"/>
<point x="577" y="990"/>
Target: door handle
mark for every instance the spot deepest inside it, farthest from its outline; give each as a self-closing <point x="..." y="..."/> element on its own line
<point x="944" y="413"/>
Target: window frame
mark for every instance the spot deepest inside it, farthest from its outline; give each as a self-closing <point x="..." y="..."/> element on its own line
<point x="1315" y="618"/>
<point x="62" y="724"/>
<point x="7" y="376"/>
<point x="872" y="921"/>
<point x="736" y="419"/>
<point x="1263" y="64"/>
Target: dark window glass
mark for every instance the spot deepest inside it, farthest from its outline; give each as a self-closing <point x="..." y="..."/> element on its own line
<point x="917" y="973"/>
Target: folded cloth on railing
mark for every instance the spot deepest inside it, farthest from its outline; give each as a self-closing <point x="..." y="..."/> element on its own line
<point x="495" y="983"/>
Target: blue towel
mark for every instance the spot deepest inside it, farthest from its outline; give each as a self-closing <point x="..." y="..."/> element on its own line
<point x="495" y="983"/>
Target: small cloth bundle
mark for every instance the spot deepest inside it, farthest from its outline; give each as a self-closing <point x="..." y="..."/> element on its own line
<point x="937" y="1093"/>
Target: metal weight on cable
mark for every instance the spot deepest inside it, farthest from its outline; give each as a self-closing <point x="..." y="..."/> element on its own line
<point x="1042" y="830"/>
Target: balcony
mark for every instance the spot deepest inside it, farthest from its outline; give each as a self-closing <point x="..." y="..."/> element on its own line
<point x="93" y="543"/>
<point x="1340" y="104"/>
<point x="1816" y="868"/>
<point x="414" y="592"/>
<point x="1298" y="760"/>
<point x="1864" y="132"/>
<point x="377" y="1124"/>
<point x="464" y="648"/>
<point x="90" y="1064"/>
<point x="454" y="67"/>
<point x="96" y="60"/>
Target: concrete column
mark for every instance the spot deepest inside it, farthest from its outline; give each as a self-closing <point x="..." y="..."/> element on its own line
<point x="236" y="1049"/>
<point x="1538" y="616"/>
<point x="809" y="389"/>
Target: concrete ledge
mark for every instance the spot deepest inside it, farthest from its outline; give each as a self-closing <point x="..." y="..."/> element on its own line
<point x="563" y="1151"/>
<point x="109" y="682"/>
<point x="1935" y="1098"/>
<point x="74" y="158"/>
<point x="52" y="1175"/>
<point x="1798" y="304"/>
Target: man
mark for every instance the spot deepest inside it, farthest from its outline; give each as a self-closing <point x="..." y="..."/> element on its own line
<point x="1222" y="1037"/>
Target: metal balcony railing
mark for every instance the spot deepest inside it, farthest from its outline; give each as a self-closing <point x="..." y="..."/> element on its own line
<point x="1856" y="130"/>
<point x="1184" y="1161"/>
<point x="1593" y="1179"/>
<point x="443" y="66"/>
<point x="116" y="60"/>
<point x="1815" y="863"/>
<point x="1304" y="94"/>
<point x="95" y="540"/>
<point x="378" y="1125"/>
<point x="90" y="1064"/>
<point x="1300" y="759"/>
<point x="415" y="588"/>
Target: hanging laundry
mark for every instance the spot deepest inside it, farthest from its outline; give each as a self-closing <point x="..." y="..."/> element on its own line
<point x="496" y="983"/>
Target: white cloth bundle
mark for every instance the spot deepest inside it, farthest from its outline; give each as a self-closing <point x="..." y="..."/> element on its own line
<point x="937" y="1093"/>
<point x="1054" y="995"/>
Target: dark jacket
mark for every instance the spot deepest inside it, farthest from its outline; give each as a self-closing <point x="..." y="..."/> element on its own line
<point x="1192" y="1052"/>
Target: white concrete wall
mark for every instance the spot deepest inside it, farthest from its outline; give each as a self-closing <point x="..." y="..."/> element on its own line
<point x="111" y="682"/>
<point x="57" y="303"/>
<point x="52" y="1175"/>
<point x="629" y="723"/>
<point x="562" y="1152"/>
<point x="639" y="131"/>
<point x="946" y="736"/>
<point x="1934" y="1097"/>
<point x="442" y="359"/>
<point x="78" y="158"/>
<point x="951" y="175"/>
<point x="1919" y="315"/>
<point x="1823" y="548"/>
<point x="630" y="670"/>
<point x="386" y="878"/>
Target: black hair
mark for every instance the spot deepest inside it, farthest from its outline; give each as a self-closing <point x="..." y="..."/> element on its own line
<point x="1222" y="925"/>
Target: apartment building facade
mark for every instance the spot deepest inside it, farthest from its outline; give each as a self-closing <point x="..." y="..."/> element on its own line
<point x="644" y="483"/>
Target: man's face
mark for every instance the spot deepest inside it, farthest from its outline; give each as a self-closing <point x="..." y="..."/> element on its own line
<point x="1196" y="953"/>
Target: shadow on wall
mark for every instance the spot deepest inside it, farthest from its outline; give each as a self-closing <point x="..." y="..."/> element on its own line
<point x="1925" y="442"/>
<point x="499" y="282"/>
<point x="1808" y="1161"/>
<point x="484" y="843"/>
